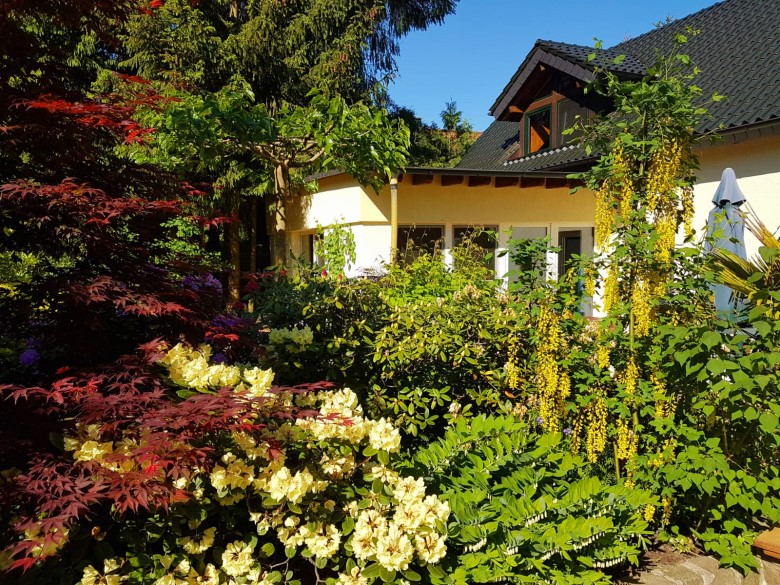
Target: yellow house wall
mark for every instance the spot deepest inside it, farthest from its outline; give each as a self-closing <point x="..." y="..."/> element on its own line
<point x="484" y="205"/>
<point x="756" y="163"/>
<point x="340" y="200"/>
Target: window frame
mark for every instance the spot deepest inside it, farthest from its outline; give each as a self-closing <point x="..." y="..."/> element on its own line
<point x="527" y="129"/>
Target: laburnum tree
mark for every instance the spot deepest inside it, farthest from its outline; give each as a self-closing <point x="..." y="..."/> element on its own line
<point x="295" y="72"/>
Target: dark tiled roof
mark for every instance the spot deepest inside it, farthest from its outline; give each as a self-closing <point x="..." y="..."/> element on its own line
<point x="737" y="50"/>
<point x="496" y="144"/>
<point x="604" y="58"/>
<point x="562" y="158"/>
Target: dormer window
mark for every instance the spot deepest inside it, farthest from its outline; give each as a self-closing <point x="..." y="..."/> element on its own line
<point x="538" y="129"/>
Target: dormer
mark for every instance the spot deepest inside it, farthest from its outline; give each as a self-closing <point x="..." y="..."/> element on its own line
<point x="547" y="93"/>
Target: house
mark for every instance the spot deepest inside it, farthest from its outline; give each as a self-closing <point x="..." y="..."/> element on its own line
<point x="514" y="178"/>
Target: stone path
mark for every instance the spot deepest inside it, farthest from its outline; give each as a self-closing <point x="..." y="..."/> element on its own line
<point x="671" y="568"/>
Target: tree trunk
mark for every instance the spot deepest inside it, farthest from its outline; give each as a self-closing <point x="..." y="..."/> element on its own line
<point x="253" y="238"/>
<point x="277" y="218"/>
<point x="234" y="251"/>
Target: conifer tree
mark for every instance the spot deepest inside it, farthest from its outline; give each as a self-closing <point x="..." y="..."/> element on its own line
<point x="275" y="54"/>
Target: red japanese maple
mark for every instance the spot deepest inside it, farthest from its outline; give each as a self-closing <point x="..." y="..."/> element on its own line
<point x="100" y="289"/>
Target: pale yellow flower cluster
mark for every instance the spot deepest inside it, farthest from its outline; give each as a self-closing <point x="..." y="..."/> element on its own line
<point x="46" y="543"/>
<point x="176" y="574"/>
<point x="257" y="382"/>
<point x="293" y="338"/>
<point x="337" y="467"/>
<point x="235" y="474"/>
<point x="283" y="485"/>
<point x="354" y="577"/>
<point x="342" y="419"/>
<point x="393" y="540"/>
<point x="88" y="446"/>
<point x="189" y="367"/>
<point x="323" y="540"/>
<point x="237" y="558"/>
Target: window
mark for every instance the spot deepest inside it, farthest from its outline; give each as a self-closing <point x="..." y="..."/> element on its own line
<point x="528" y="258"/>
<point x="416" y="240"/>
<point x="570" y="243"/>
<point x="307" y="248"/>
<point x="538" y="128"/>
<point x="568" y="111"/>
<point x="482" y="242"/>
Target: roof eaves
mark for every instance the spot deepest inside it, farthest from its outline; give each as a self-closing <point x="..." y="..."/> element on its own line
<point x="482" y="172"/>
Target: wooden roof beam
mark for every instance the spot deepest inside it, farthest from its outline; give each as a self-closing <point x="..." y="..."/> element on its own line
<point x="448" y="180"/>
<point x="506" y="182"/>
<point x="531" y="182"/>
<point x="479" y="181"/>
<point x="555" y="183"/>
<point x="422" y="179"/>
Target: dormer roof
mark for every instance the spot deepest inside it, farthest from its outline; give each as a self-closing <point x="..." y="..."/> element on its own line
<point x="574" y="60"/>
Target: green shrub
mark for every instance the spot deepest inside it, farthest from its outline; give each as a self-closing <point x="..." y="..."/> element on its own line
<point x="526" y="510"/>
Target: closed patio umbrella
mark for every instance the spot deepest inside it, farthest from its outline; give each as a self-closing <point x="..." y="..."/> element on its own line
<point x="726" y="230"/>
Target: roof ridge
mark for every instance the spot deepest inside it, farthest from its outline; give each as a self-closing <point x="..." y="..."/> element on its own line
<point x="540" y="154"/>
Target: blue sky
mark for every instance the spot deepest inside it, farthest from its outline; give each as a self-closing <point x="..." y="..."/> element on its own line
<point x="473" y="54"/>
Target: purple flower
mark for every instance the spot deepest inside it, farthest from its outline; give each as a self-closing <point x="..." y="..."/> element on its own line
<point x="199" y="282"/>
<point x="211" y="282"/>
<point x="229" y="321"/>
<point x="29" y="357"/>
<point x="219" y="358"/>
<point x="567" y="431"/>
<point x="191" y="282"/>
<point x="539" y="420"/>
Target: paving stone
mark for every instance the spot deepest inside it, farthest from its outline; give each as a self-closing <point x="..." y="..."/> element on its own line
<point x="770" y="572"/>
<point x="702" y="570"/>
<point x="674" y="574"/>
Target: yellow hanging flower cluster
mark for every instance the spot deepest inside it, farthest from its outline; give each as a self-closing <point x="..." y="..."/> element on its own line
<point x="633" y="448"/>
<point x="666" y="504"/>
<point x="553" y="382"/>
<point x="631" y="375"/>
<point x="512" y="370"/>
<point x="641" y="305"/>
<point x="686" y="196"/>
<point x="597" y="428"/>
<point x="624" y="437"/>
<point x="618" y="189"/>
<point x="602" y="355"/>
<point x="665" y="198"/>
<point x="663" y="405"/>
<point x="662" y="174"/>
<point x="611" y="289"/>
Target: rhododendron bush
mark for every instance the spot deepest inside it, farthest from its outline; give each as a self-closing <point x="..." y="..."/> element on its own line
<point x="240" y="482"/>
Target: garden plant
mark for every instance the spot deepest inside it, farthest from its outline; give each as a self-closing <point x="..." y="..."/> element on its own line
<point x="429" y="423"/>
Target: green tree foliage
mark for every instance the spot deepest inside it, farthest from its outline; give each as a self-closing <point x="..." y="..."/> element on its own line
<point x="251" y="150"/>
<point x="291" y="72"/>
<point x="431" y="146"/>
<point x="283" y="50"/>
